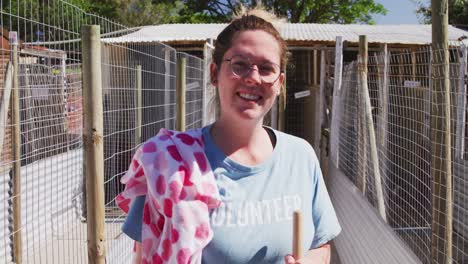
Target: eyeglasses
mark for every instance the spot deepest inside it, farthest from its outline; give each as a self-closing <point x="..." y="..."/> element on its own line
<point x="241" y="66"/>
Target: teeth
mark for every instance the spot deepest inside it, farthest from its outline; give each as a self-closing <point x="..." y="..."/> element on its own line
<point x="249" y="96"/>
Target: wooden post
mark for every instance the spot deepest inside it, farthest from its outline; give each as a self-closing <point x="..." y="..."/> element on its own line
<point x="317" y="132"/>
<point x="309" y="118"/>
<point x="413" y="65"/>
<point x="428" y="98"/>
<point x="361" y="173"/>
<point x="93" y="143"/>
<point x="206" y="85"/>
<point x="139" y="109"/>
<point x="384" y="96"/>
<point x="461" y="106"/>
<point x="362" y="136"/>
<point x="322" y="110"/>
<point x="315" y="79"/>
<point x="180" y="93"/>
<point x="210" y="107"/>
<point x="370" y="125"/>
<point x="441" y="138"/>
<point x="274" y="114"/>
<point x="16" y="145"/>
<point x="297" y="234"/>
<point x="5" y="102"/>
<point x="336" y="91"/>
<point x="282" y="106"/>
<point x="167" y="87"/>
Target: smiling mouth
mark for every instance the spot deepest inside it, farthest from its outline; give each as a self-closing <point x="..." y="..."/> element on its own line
<point x="249" y="97"/>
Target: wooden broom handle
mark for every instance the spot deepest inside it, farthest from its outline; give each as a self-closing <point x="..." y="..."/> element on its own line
<point x="297" y="234"/>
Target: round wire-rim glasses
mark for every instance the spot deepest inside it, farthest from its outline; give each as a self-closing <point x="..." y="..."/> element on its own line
<point x="241" y="66"/>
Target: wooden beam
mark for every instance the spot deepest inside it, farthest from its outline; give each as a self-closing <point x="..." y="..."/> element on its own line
<point x="384" y="98"/>
<point x="139" y="105"/>
<point x="370" y="125"/>
<point x="5" y="103"/>
<point x="16" y="145"/>
<point x="317" y="108"/>
<point x="414" y="65"/>
<point x="209" y="105"/>
<point x="282" y="106"/>
<point x="322" y="109"/>
<point x="336" y="91"/>
<point x="384" y="94"/>
<point x="167" y="87"/>
<point x="461" y="106"/>
<point x="180" y="93"/>
<point x="93" y="143"/>
<point x="441" y="165"/>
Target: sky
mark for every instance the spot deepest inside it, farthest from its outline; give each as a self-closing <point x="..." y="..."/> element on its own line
<point x="398" y="12"/>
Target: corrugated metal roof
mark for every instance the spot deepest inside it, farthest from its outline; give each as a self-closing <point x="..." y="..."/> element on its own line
<point x="392" y="34"/>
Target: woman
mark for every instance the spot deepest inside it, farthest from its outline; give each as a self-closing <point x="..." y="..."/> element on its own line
<point x="261" y="175"/>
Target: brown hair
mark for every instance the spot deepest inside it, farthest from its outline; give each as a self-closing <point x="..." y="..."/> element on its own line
<point x="253" y="19"/>
<point x="242" y="23"/>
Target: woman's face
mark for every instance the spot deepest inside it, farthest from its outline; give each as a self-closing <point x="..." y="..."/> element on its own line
<point x="248" y="97"/>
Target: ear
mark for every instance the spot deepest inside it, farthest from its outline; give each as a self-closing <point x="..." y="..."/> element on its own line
<point x="280" y="83"/>
<point x="281" y="78"/>
<point x="214" y="74"/>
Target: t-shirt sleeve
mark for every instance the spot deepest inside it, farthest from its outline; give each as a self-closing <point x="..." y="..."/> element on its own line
<point x="324" y="217"/>
<point x="133" y="223"/>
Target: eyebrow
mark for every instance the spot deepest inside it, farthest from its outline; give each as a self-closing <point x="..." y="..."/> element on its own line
<point x="262" y="61"/>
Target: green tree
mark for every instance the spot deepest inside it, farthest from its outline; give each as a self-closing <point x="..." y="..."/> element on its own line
<point x="44" y="20"/>
<point x="305" y="11"/>
<point x="458" y="12"/>
<point x="139" y="12"/>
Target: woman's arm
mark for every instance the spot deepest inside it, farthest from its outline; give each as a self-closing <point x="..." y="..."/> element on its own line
<point x="137" y="257"/>
<point x="319" y="255"/>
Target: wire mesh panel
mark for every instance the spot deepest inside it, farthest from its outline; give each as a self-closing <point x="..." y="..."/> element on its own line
<point x="402" y="101"/>
<point x="194" y="85"/>
<point x="138" y="86"/>
<point x="139" y="100"/>
<point x="49" y="226"/>
<point x="299" y="99"/>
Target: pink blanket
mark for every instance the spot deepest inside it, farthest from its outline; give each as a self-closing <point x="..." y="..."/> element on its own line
<point x="171" y="169"/>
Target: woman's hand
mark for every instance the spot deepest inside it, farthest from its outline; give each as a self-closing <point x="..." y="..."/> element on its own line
<point x="138" y="253"/>
<point x="319" y="255"/>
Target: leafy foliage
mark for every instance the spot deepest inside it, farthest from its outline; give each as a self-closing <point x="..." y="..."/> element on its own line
<point x="43" y="16"/>
<point x="42" y="20"/>
<point x="139" y="12"/>
<point x="458" y="12"/>
<point x="305" y="11"/>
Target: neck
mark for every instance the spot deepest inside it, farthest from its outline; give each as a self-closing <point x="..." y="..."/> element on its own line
<point x="246" y="143"/>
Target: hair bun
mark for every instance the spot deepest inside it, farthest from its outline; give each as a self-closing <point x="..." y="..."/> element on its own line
<point x="261" y="12"/>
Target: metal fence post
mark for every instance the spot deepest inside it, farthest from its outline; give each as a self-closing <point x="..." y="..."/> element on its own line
<point x="16" y="177"/>
<point x="93" y="143"/>
<point x="180" y="93"/>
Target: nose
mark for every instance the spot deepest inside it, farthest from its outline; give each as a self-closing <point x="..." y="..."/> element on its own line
<point x="253" y="76"/>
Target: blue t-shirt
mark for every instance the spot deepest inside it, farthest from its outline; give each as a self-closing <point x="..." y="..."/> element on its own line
<point x="254" y="222"/>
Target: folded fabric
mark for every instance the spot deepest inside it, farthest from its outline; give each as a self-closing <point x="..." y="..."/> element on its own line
<point x="172" y="170"/>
